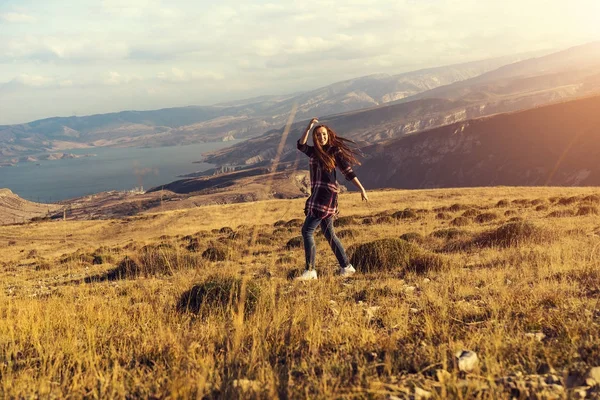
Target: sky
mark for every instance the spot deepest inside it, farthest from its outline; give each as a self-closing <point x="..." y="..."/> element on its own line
<point x="82" y="57"/>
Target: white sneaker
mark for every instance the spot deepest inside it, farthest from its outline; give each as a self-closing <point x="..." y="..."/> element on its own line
<point x="349" y="270"/>
<point x="308" y="275"/>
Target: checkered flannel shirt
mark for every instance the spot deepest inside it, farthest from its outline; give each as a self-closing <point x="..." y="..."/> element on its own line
<point x="322" y="202"/>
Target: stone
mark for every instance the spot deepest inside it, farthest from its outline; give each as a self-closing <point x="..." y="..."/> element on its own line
<point x="592" y="378"/>
<point x="467" y="360"/>
<point x="422" y="393"/>
<point x="539" y="336"/>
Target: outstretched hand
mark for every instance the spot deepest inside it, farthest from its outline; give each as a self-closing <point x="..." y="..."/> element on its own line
<point x="313" y="121"/>
<point x="364" y="196"/>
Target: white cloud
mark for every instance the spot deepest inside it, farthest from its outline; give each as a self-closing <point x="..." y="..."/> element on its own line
<point x="15" y="17"/>
<point x="177" y="75"/>
<point x="115" y="78"/>
<point x="34" y="80"/>
<point x="140" y="9"/>
<point x="65" y="47"/>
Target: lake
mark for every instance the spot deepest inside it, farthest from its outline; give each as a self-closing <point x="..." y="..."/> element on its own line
<point x="110" y="169"/>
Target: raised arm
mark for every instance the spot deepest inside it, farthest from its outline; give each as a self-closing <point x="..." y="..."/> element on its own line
<point x="304" y="138"/>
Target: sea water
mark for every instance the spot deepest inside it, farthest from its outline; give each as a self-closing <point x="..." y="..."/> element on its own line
<point x="110" y="169"/>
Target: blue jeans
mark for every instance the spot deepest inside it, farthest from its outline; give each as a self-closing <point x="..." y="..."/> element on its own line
<point x="310" y="251"/>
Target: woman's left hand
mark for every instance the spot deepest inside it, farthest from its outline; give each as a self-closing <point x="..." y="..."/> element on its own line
<point x="364" y="196"/>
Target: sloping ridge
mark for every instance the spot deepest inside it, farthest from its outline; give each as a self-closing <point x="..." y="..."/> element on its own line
<point x="556" y="145"/>
<point x="14" y="209"/>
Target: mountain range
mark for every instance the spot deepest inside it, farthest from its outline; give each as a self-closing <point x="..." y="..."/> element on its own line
<point x="522" y="85"/>
<point x="237" y="119"/>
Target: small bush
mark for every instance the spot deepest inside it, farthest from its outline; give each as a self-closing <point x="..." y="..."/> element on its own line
<point x="593" y="199"/>
<point x="286" y="260"/>
<point x="215" y="253"/>
<point x="516" y="219"/>
<point x="405" y="214"/>
<point x="541" y="207"/>
<point x="282" y="231"/>
<point x="426" y="262"/>
<point x="502" y="203"/>
<point x="77" y="257"/>
<point x="226" y="230"/>
<point x="32" y="254"/>
<point x="567" y="201"/>
<point x="386" y="219"/>
<point x="587" y="210"/>
<point x="457" y="207"/>
<point x="294" y="243"/>
<point x="382" y="255"/>
<point x="220" y="294"/>
<point x="513" y="234"/>
<point x="521" y="202"/>
<point x="368" y="221"/>
<point x="470" y="213"/>
<point x="346" y="233"/>
<point x="508" y="213"/>
<point x="460" y="221"/>
<point x="279" y="223"/>
<point x="127" y="269"/>
<point x="486" y="217"/>
<point x="345" y="221"/>
<point x="264" y="240"/>
<point x="103" y="259"/>
<point x="412" y="237"/>
<point x="194" y="245"/>
<point x="450" y="233"/>
<point x="294" y="223"/>
<point x="443" y="216"/>
<point x="561" y="214"/>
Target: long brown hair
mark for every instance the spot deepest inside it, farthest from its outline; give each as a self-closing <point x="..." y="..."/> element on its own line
<point x="328" y="160"/>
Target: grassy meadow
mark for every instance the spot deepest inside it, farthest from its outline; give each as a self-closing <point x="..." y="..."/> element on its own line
<point x="201" y="303"/>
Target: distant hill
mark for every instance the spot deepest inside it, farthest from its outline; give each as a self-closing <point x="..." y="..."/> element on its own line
<point x="14" y="209"/>
<point x="238" y="119"/>
<point x="569" y="74"/>
<point x="556" y="145"/>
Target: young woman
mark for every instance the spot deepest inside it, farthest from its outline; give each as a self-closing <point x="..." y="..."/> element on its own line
<point x="329" y="151"/>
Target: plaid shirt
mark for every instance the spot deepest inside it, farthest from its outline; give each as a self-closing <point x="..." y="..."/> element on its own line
<point x="324" y="188"/>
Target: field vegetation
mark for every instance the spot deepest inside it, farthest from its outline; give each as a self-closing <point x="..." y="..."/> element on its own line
<point x="201" y="303"/>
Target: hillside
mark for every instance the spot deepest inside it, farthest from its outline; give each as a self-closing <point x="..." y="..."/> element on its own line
<point x="555" y="145"/>
<point x="522" y="85"/>
<point x="484" y="293"/>
<point x="14" y="209"/>
<point x="239" y="119"/>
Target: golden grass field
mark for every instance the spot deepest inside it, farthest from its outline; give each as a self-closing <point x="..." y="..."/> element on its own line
<point x="77" y="321"/>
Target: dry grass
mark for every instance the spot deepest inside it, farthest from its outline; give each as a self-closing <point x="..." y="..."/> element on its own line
<point x="131" y="308"/>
